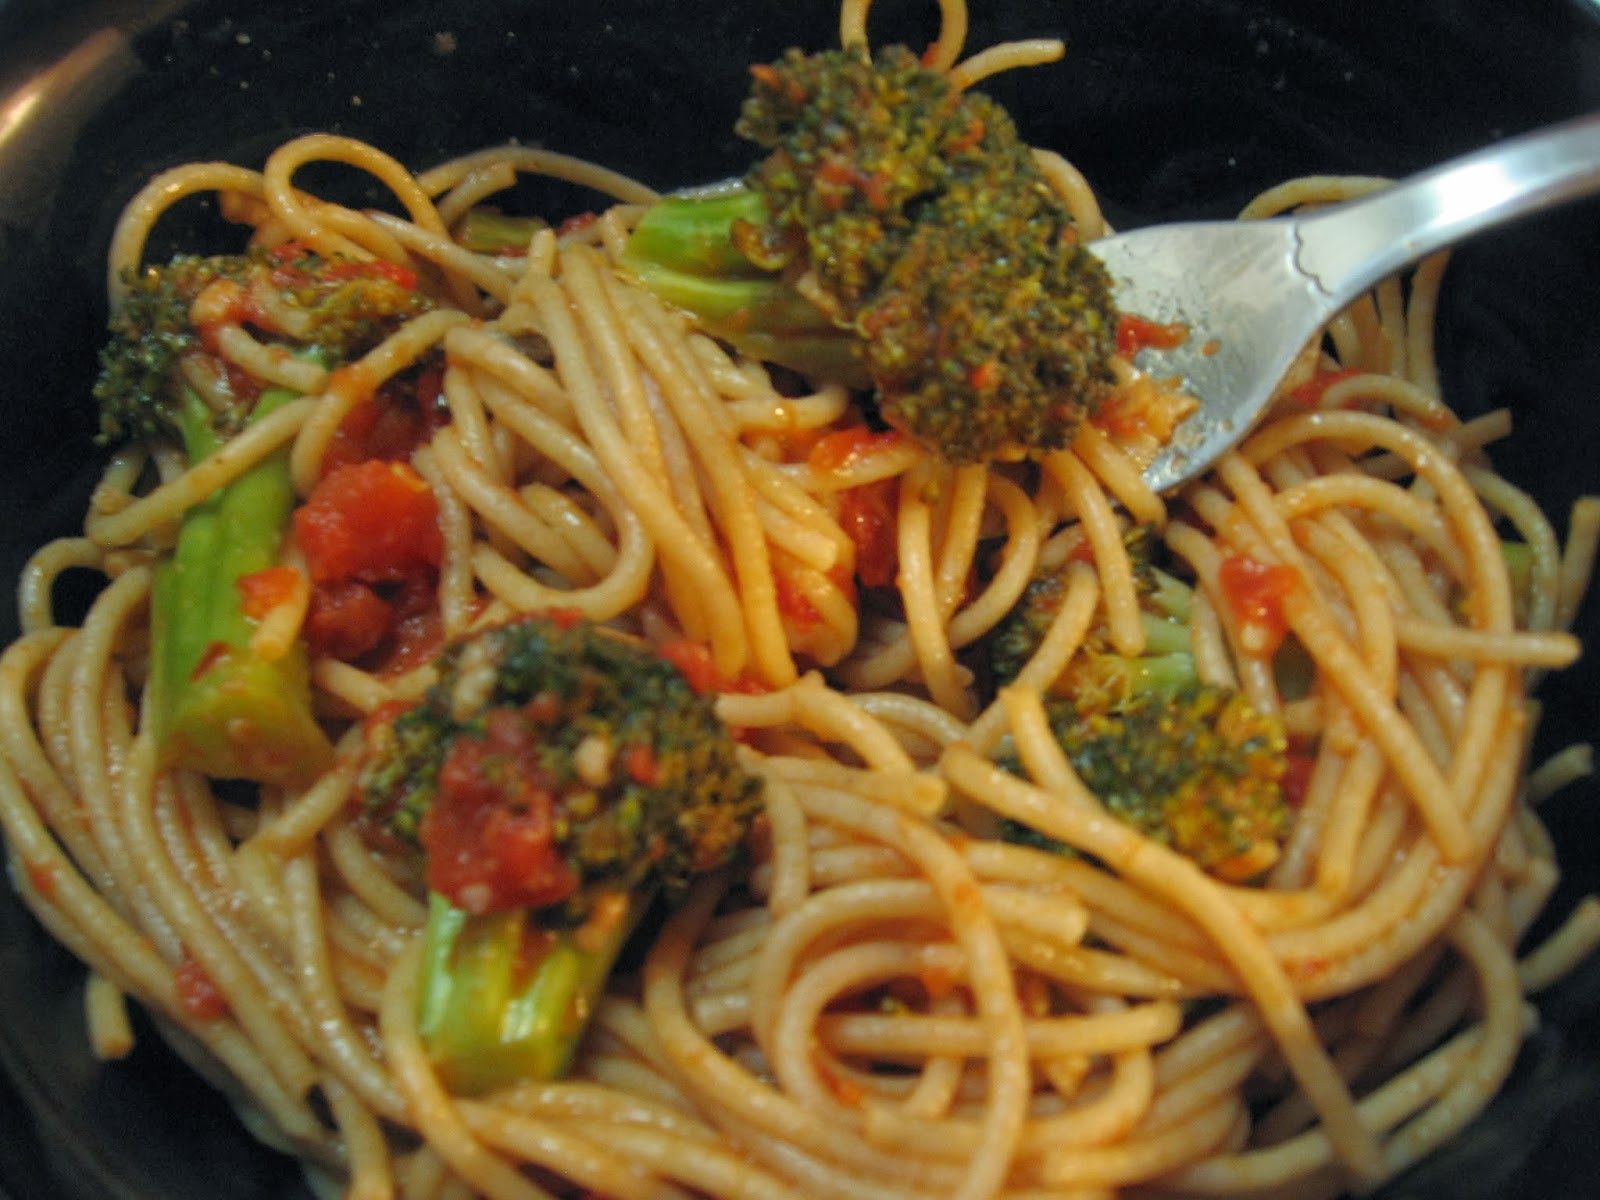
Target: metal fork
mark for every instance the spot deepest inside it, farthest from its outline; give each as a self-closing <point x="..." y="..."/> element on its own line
<point x="1252" y="293"/>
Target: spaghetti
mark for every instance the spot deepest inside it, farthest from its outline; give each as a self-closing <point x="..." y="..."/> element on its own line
<point x="890" y="1000"/>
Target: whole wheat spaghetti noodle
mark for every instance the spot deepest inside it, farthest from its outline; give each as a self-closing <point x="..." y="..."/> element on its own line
<point x="893" y="995"/>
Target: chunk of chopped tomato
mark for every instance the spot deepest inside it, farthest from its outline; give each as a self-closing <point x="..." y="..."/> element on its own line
<point x="489" y="833"/>
<point x="262" y="591"/>
<point x="347" y="618"/>
<point x="389" y="424"/>
<point x="1256" y="591"/>
<point x="416" y="630"/>
<point x="694" y="661"/>
<point x="371" y="521"/>
<point x="867" y="516"/>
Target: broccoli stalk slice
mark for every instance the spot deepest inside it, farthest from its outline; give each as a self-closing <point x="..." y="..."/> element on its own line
<point x="1187" y="763"/>
<point x="1519" y="562"/>
<point x="558" y="776"/>
<point x="1167" y="596"/>
<point x="220" y="706"/>
<point x="490" y="231"/>
<point x="1166" y="674"/>
<point x="503" y="999"/>
<point x="683" y="251"/>
<point x="1519" y="567"/>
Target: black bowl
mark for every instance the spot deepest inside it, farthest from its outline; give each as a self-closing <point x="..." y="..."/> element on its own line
<point x="1172" y="109"/>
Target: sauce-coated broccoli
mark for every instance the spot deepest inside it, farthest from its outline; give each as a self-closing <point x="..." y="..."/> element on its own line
<point x="912" y="216"/>
<point x="223" y="703"/>
<point x="1190" y="764"/>
<point x="557" y="777"/>
<point x="326" y="309"/>
<point x="1199" y="769"/>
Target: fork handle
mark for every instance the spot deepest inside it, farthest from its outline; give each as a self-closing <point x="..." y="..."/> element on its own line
<point x="1349" y="248"/>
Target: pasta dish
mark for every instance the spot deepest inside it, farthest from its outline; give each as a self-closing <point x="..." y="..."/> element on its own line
<point x="611" y="709"/>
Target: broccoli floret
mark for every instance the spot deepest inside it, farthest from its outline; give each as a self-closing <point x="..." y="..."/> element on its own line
<point x="1190" y="764"/>
<point x="221" y="704"/>
<point x="912" y="217"/>
<point x="1199" y="769"/>
<point x="558" y="777"/>
<point x="334" y="309"/>
<point x="1097" y="669"/>
<point x="137" y="388"/>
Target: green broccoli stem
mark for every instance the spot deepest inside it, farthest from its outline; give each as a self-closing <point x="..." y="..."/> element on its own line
<point x="220" y="706"/>
<point x="683" y="251"/>
<point x="489" y="231"/>
<point x="503" y="999"/>
<point x="1167" y="674"/>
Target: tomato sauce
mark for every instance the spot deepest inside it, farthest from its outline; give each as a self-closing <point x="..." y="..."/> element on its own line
<point x="42" y="879"/>
<point x="390" y="423"/>
<point x="793" y="602"/>
<point x="577" y="223"/>
<point x="1136" y="333"/>
<point x="694" y="662"/>
<point x="1256" y="592"/>
<point x="198" y="993"/>
<point x="288" y="275"/>
<point x="1296" y="781"/>
<point x="262" y="591"/>
<point x="395" y="273"/>
<point x="850" y="447"/>
<point x="489" y="833"/>
<point x="1312" y="392"/>
<point x="867" y="511"/>
<point x="867" y="516"/>
<point x="371" y="521"/>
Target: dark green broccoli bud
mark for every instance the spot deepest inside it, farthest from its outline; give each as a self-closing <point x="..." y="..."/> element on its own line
<point x="640" y="780"/>
<point x="346" y="307"/>
<point x="221" y="704"/>
<point x="332" y="310"/>
<point x="912" y="216"/>
<point x="1200" y="770"/>
<point x="1015" y="640"/>
<point x="150" y="330"/>
<point x="988" y="328"/>
<point x="1190" y="764"/>
<point x="1020" y="834"/>
<point x="558" y="777"/>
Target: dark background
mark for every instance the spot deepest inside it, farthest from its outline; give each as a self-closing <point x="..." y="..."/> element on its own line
<point x="1173" y="108"/>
